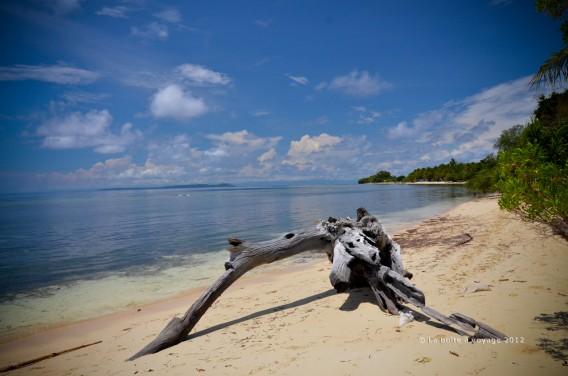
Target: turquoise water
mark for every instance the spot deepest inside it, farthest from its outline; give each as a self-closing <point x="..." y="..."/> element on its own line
<point x="58" y="248"/>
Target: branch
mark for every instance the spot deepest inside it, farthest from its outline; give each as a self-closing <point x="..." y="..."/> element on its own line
<point x="244" y="257"/>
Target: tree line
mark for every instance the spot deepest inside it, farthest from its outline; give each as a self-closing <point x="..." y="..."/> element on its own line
<point x="452" y="171"/>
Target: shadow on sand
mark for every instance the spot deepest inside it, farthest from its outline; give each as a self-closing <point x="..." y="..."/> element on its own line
<point x="557" y="349"/>
<point x="354" y="298"/>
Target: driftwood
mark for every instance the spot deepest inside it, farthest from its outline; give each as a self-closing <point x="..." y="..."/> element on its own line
<point x="362" y="254"/>
<point x="44" y="357"/>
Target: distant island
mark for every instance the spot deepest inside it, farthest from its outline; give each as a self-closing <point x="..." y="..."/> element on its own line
<point x="179" y="186"/>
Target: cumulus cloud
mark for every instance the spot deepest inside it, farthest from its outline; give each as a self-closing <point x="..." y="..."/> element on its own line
<point x="298" y="80"/>
<point x="171" y="15"/>
<point x="356" y="83"/>
<point x="153" y="30"/>
<point x="118" y="11"/>
<point x="200" y="75"/>
<point x="267" y="156"/>
<point x="301" y="152"/>
<point x="401" y="130"/>
<point x="58" y="74"/>
<point x="86" y="130"/>
<point x="230" y="156"/>
<point x="120" y="171"/>
<point x="173" y="102"/>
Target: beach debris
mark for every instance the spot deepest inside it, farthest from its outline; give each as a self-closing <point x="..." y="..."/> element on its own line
<point x="454" y="353"/>
<point x="44" y="357"/>
<point x="423" y="360"/>
<point x="462" y="239"/>
<point x="362" y="254"/>
<point x="405" y="318"/>
<point x="234" y="241"/>
<point x="476" y="286"/>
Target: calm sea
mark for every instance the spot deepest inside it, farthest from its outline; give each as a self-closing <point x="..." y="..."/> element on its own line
<point x="57" y="249"/>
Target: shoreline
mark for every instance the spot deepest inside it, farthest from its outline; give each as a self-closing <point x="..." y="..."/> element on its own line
<point x="86" y="299"/>
<point x="419" y="183"/>
<point x="292" y="309"/>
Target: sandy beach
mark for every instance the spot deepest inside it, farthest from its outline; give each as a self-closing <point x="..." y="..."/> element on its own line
<point x="290" y="321"/>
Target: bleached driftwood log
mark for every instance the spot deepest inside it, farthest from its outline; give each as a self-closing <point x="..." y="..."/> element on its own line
<point x="362" y="254"/>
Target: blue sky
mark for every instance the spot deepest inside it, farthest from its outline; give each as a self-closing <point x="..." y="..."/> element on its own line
<point x="136" y="92"/>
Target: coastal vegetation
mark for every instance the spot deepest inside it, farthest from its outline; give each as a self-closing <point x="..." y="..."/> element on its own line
<point x="532" y="166"/>
<point x="381" y="177"/>
<point x="452" y="171"/>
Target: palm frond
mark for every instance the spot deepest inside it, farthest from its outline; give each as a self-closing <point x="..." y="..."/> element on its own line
<point x="554" y="70"/>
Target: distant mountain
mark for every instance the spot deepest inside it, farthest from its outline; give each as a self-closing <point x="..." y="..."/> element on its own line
<point x="179" y="186"/>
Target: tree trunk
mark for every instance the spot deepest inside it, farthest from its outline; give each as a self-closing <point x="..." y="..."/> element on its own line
<point x="361" y="252"/>
<point x="244" y="257"/>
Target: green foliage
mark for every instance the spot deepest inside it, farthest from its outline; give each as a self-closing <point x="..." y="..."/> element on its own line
<point x="379" y="177"/>
<point x="452" y="171"/>
<point x="510" y="138"/>
<point x="533" y="172"/>
<point x="533" y="186"/>
<point x="484" y="181"/>
<point x="480" y="176"/>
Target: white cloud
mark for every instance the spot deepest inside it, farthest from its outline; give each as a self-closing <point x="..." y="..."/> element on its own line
<point x="481" y="118"/>
<point x="58" y="74"/>
<point x="355" y="83"/>
<point x="153" y="30"/>
<point x="175" y="160"/>
<point x="401" y="131"/>
<point x="171" y="15"/>
<point x="173" y="102"/>
<point x="232" y="157"/>
<point x="243" y="137"/>
<point x="267" y="156"/>
<point x="121" y="171"/>
<point x="467" y="128"/>
<point x="200" y="75"/>
<point x="366" y="116"/>
<point x="301" y="152"/>
<point x="86" y="130"/>
<point x="233" y="150"/>
<point x="298" y="80"/>
<point x="74" y="97"/>
<point x="118" y="11"/>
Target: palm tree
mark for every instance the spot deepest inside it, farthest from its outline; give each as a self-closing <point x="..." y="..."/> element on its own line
<point x="555" y="68"/>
